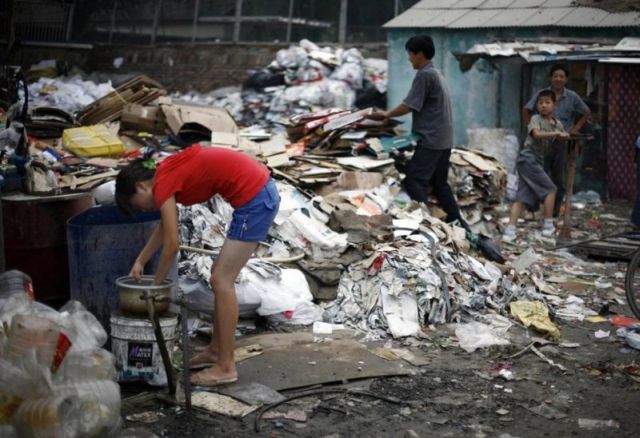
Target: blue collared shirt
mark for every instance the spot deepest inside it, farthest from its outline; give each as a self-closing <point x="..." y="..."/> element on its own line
<point x="567" y="106"/>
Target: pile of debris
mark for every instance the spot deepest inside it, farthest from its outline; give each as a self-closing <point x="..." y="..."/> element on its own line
<point x="67" y="94"/>
<point x="301" y="79"/>
<point x="55" y="379"/>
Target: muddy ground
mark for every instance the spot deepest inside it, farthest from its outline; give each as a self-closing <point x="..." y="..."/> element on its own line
<point x="457" y="393"/>
<point x="455" y="396"/>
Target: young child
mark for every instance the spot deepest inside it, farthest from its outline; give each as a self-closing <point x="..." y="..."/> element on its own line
<point x="190" y="177"/>
<point x="544" y="133"/>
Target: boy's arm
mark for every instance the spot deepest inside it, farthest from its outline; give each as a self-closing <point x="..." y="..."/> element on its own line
<point x="535" y="130"/>
<point x="540" y="135"/>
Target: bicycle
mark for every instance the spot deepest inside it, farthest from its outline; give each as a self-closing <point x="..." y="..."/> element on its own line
<point x="632" y="284"/>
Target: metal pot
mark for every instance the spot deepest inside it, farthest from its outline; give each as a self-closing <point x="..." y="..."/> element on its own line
<point x="132" y="294"/>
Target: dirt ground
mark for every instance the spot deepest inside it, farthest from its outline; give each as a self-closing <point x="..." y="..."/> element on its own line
<point x="457" y="393"/>
<point x="455" y="396"/>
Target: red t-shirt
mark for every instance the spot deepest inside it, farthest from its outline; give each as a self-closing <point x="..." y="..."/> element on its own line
<point x="196" y="174"/>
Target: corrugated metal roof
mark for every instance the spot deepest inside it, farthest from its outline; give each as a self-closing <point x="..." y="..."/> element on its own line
<point x="583" y="17"/>
<point x="475" y="18"/>
<point x="464" y="4"/>
<point x="466" y="14"/>
<point x="511" y="18"/>
<point x="496" y="4"/>
<point x="545" y="16"/>
<point x="430" y="17"/>
<point x="558" y="3"/>
<point x="435" y="4"/>
<point x="527" y="3"/>
<point x="621" y="19"/>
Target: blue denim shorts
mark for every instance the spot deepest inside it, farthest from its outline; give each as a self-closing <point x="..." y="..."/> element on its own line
<point x="251" y="221"/>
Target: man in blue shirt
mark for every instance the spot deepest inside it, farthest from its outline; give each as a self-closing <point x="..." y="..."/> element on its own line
<point x="569" y="106"/>
<point x="429" y="103"/>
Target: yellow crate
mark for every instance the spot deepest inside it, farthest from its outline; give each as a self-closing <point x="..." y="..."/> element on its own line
<point x="92" y="141"/>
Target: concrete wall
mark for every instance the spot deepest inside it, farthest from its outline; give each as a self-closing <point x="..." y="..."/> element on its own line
<point x="483" y="96"/>
<point x="181" y="67"/>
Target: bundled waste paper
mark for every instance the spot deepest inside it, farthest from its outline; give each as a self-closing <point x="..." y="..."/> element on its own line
<point x="55" y="379"/>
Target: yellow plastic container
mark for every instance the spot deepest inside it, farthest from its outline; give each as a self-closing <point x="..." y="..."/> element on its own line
<point x="92" y="141"/>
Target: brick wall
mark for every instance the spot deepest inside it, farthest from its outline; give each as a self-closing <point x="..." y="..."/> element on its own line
<point x="178" y="67"/>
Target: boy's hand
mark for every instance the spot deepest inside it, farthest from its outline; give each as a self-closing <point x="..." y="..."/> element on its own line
<point x="563" y="135"/>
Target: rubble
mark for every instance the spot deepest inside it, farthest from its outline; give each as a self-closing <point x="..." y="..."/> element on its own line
<point x="302" y="78"/>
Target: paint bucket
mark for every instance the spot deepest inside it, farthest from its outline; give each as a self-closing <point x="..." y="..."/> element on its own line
<point x="133" y="343"/>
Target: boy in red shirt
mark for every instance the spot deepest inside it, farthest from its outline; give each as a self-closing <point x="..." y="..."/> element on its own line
<point x="190" y="177"/>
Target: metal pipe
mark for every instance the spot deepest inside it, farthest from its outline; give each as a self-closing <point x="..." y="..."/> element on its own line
<point x="72" y="10"/>
<point x="166" y="359"/>
<point x="196" y="12"/>
<point x="114" y="11"/>
<point x="291" y="5"/>
<point x="266" y="259"/>
<point x="236" y="25"/>
<point x="186" y="381"/>
<point x="342" y="24"/>
<point x="156" y="20"/>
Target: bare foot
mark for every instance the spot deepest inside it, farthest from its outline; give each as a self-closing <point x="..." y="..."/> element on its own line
<point x="214" y="376"/>
<point x="203" y="359"/>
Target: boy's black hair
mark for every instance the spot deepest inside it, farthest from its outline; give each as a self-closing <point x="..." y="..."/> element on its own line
<point x="141" y="169"/>
<point x="421" y="43"/>
<point x="556" y="67"/>
<point x="546" y="93"/>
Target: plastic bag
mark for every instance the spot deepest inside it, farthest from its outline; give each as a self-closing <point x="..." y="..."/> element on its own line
<point x="342" y="95"/>
<point x="352" y="55"/>
<point x="476" y="335"/>
<point x="349" y="73"/>
<point x="305" y="313"/>
<point x="88" y="332"/>
<point x="292" y="57"/>
<point x="536" y="315"/>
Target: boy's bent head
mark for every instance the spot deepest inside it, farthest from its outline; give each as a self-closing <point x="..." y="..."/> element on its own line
<point x="421" y="44"/>
<point x="545" y="102"/>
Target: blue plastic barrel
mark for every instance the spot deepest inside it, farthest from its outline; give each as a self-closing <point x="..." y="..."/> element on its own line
<point x="103" y="243"/>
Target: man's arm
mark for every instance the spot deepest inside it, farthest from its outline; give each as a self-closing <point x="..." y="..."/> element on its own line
<point x="526" y="115"/>
<point x="581" y="108"/>
<point x="398" y="111"/>
<point x="580" y="123"/>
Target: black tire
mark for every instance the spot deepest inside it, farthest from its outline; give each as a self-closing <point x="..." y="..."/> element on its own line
<point x="632" y="284"/>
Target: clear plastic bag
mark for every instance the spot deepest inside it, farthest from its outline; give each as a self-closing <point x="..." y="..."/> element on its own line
<point x="292" y="57"/>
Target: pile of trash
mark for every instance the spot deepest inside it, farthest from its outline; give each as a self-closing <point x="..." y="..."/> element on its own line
<point x="55" y="379"/>
<point x="302" y="78"/>
<point x="68" y="94"/>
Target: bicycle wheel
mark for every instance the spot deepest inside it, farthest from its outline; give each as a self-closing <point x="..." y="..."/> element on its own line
<point x="632" y="284"/>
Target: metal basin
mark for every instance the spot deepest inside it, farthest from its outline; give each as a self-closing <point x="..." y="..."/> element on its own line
<point x="132" y="294"/>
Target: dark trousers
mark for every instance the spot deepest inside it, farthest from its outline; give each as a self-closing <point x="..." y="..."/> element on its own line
<point x="430" y="167"/>
<point x="555" y="164"/>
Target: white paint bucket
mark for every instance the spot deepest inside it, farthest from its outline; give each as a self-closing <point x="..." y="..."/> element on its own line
<point x="133" y="343"/>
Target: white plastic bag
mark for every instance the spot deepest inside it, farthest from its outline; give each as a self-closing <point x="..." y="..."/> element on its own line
<point x="476" y="335"/>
